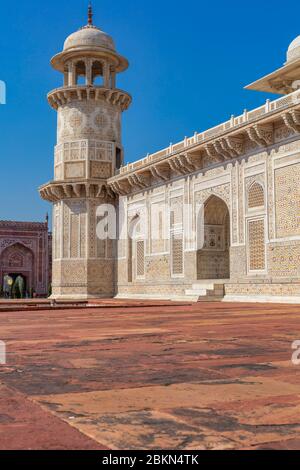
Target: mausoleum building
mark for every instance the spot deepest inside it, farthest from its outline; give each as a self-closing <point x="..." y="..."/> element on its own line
<point x="243" y="173"/>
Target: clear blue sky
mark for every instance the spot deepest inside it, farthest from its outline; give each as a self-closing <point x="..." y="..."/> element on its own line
<point x="188" y="60"/>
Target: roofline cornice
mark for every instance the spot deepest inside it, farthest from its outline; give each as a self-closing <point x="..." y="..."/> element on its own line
<point x="221" y="144"/>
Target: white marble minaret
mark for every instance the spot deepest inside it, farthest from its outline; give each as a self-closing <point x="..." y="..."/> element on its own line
<point x="88" y="152"/>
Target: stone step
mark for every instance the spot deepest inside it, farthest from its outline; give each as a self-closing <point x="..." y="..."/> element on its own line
<point x="207" y="291"/>
<point x="218" y="293"/>
<point x="199" y="292"/>
<point x="219" y="289"/>
<point x="214" y="298"/>
<point x="189" y="298"/>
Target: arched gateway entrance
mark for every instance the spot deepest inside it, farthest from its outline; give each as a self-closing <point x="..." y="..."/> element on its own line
<point x="17" y="264"/>
<point x="213" y="261"/>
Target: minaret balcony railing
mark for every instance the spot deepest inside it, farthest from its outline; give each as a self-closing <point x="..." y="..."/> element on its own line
<point x="56" y="191"/>
<point x="64" y="95"/>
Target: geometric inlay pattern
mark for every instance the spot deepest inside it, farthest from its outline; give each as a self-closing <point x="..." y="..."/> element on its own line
<point x="256" y="197"/>
<point x="256" y="237"/>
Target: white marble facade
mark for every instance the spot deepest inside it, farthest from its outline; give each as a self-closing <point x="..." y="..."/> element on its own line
<point x="244" y="172"/>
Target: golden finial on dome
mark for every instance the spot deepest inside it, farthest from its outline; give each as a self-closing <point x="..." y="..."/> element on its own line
<point x="90" y="14"/>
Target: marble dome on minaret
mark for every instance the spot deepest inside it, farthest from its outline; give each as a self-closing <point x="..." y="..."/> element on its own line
<point x="89" y="36"/>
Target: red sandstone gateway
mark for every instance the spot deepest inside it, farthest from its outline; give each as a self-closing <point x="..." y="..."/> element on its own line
<point x="25" y="252"/>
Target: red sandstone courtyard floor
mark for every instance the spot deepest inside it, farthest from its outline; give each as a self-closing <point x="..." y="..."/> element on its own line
<point x="205" y="376"/>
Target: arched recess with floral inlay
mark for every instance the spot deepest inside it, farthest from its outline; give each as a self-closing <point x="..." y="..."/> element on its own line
<point x="213" y="260"/>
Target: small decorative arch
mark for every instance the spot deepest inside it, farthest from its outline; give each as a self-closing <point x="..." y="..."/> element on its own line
<point x="16" y="252"/>
<point x="97" y="73"/>
<point x="80" y="73"/>
<point x="256" y="196"/>
<point x="215" y="210"/>
<point x="213" y="260"/>
<point x="222" y="192"/>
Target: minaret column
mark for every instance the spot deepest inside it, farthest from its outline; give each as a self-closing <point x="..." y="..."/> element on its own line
<point x="106" y="67"/>
<point x="71" y="66"/>
<point x="88" y="140"/>
<point x="113" y="78"/>
<point x="88" y="68"/>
